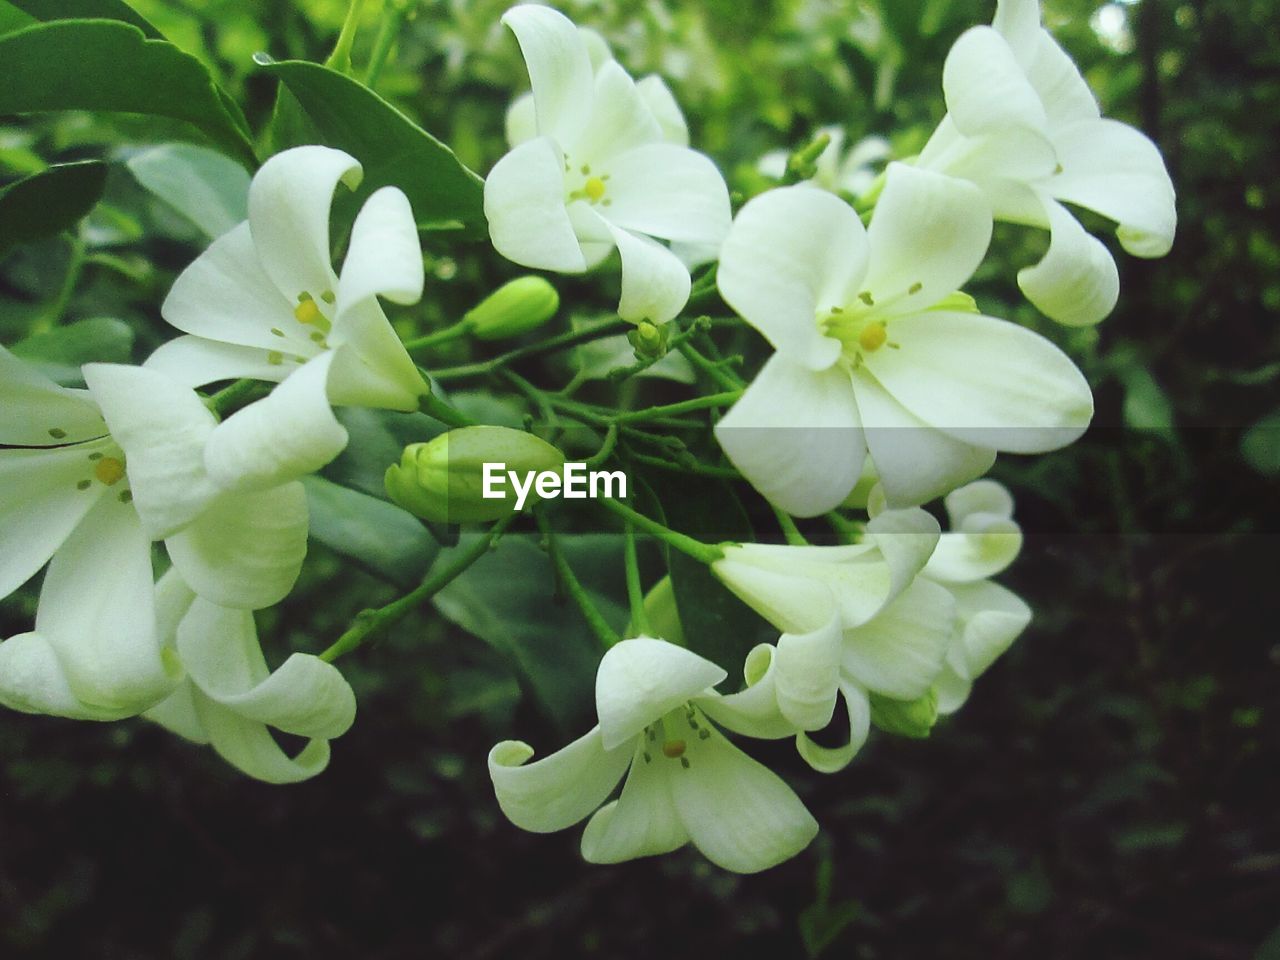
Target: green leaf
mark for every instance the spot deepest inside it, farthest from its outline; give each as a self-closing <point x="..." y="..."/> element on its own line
<point x="378" y="437"/>
<point x="87" y="10"/>
<point x="111" y="66"/>
<point x="11" y="18"/>
<point x="1260" y="446"/>
<point x="392" y="148"/>
<point x="1146" y="405"/>
<point x="60" y="352"/>
<point x="49" y="202"/>
<point x="379" y="536"/>
<point x="204" y="186"/>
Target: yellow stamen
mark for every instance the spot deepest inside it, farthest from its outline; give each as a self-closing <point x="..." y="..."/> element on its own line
<point x="872" y="337"/>
<point x="109" y="470"/>
<point x="307" y="312"/>
<point x="594" y="189"/>
<point x="673" y="748"/>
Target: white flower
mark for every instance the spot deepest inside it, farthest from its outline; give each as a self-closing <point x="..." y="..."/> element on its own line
<point x="870" y="356"/>
<point x="984" y="540"/>
<point x="686" y="781"/>
<point x="855" y="619"/>
<point x="230" y="697"/>
<point x="90" y="480"/>
<point x="604" y="171"/>
<point x="264" y="302"/>
<point x="1023" y="125"/>
<point x="853" y="173"/>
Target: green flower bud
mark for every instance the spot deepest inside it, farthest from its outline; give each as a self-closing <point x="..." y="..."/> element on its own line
<point x="906" y="718"/>
<point x="444" y="479"/>
<point x="514" y="308"/>
<point x="649" y="340"/>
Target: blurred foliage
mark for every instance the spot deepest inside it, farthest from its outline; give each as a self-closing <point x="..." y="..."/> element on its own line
<point x="1110" y="789"/>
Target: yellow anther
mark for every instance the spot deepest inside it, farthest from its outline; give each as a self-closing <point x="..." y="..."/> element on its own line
<point x="872" y="337"/>
<point x="307" y="312"/>
<point x="109" y="470"/>
<point x="593" y="188"/>
<point x="673" y="748"/>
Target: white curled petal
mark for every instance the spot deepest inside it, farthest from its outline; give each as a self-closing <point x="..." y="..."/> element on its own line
<point x="985" y="87"/>
<point x="1057" y="80"/>
<point x="249" y="747"/>
<point x="177" y="713"/>
<point x="1115" y="170"/>
<point x="807" y="676"/>
<point x="906" y="539"/>
<point x="620" y="119"/>
<point x="791" y="253"/>
<point x="195" y="361"/>
<point x="226" y="296"/>
<point x="797" y="436"/>
<point x="558" y="790"/>
<point x="247" y="549"/>
<point x="775" y="581"/>
<point x="901" y="650"/>
<point x="524" y="202"/>
<point x="285" y="435"/>
<point x="1001" y="163"/>
<point x="641" y="679"/>
<point x="968" y="557"/>
<point x="662" y="104"/>
<point x="834" y="759"/>
<point x="162" y="427"/>
<point x="986" y="497"/>
<point x="32" y="681"/>
<point x="993" y="617"/>
<point x="521" y="121"/>
<point x="655" y="283"/>
<point x="1076" y="283"/>
<point x="559" y="69"/>
<point x="36" y="412"/>
<point x="40" y="504"/>
<point x="643" y="821"/>
<point x="753" y="711"/>
<point x="289" y="201"/>
<point x="383" y="258"/>
<point x="372" y="368"/>
<point x="929" y="234"/>
<point x="915" y="462"/>
<point x="984" y="381"/>
<point x="662" y="190"/>
<point x="739" y="814"/>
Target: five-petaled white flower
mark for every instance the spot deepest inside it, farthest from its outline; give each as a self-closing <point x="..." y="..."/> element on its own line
<point x="686" y="781"/>
<point x="90" y="480"/>
<point x="872" y="357"/>
<point x="606" y="170"/>
<point x="1023" y="125"/>
<point x="264" y="302"/>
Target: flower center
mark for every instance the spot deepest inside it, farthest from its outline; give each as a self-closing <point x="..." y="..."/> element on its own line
<point x="109" y="471"/>
<point x="862" y="326"/>
<point x="671" y="734"/>
<point x="592" y="188"/>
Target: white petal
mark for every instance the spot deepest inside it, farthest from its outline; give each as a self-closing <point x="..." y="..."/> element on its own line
<point x="559" y="69"/>
<point x="289" y="200"/>
<point x="794" y="595"/>
<point x="524" y="202"/>
<point x="249" y="747"/>
<point x="558" y="790"/>
<point x="41" y="503"/>
<point x="1019" y="23"/>
<point x="790" y="254"/>
<point x="32" y="680"/>
<point x="285" y="435"/>
<point x="1001" y="163"/>
<point x="1057" y="80"/>
<point x="753" y="711"/>
<point x="1077" y="282"/>
<point x="655" y="284"/>
<point x="915" y="462"/>
<point x="927" y="237"/>
<point x="642" y="678"/>
<point x="985" y="381"/>
<point x="993" y="617"/>
<point x="968" y="557"/>
<point x="177" y="713"/>
<point x="833" y="759"/>
<point x="643" y="822"/>
<point x="195" y="361"/>
<point x="163" y="428"/>
<point x="807" y="676"/>
<point x="670" y="192"/>
<point x="901" y="650"/>
<point x="981" y="498"/>
<point x="620" y="120"/>
<point x="738" y="813"/>
<point x="986" y="89"/>
<point x="906" y="540"/>
<point x="36" y="412"/>
<point x="797" y="436"/>
<point x="521" y="122"/>
<point x="1113" y="169"/>
<point x="662" y="104"/>
<point x="247" y="549"/>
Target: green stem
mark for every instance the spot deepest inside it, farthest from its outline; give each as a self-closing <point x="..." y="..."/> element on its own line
<point x="604" y="633"/>
<point x="702" y="552"/>
<point x="340" y="59"/>
<point x="635" y="592"/>
<point x="847" y="530"/>
<point x="715" y="371"/>
<point x="433" y="406"/>
<point x="538" y="398"/>
<point x="445" y="335"/>
<point x="51" y="316"/>
<point x="230" y="399"/>
<point x="606" y="448"/>
<point x="385" y="40"/>
<point x="789" y="529"/>
<point x="625" y="373"/>
<point x="371" y="622"/>
<point x="561" y="341"/>
<point x="675" y="409"/>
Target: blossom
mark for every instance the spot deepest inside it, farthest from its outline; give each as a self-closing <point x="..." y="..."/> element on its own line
<point x="875" y="354"/>
<point x="603" y="172"/>
<point x="263" y="301"/>
<point x="684" y="781"/>
<point x="836" y="170"/>
<point x="91" y="479"/>
<point x="1023" y="125"/>
<point x="230" y="697"/>
<point x="983" y="541"/>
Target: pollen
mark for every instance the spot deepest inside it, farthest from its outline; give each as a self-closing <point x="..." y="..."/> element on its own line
<point x="594" y="189"/>
<point x="872" y="337"/>
<point x="673" y="748"/>
<point x="307" y="311"/>
<point x="109" y="470"/>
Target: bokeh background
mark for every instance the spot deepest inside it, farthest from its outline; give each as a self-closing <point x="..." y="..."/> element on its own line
<point x="1113" y="787"/>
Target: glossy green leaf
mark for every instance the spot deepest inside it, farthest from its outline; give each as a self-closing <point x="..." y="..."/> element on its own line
<point x="204" y="186"/>
<point x="391" y="147"/>
<point x="11" y="18"/>
<point x="61" y="351"/>
<point x="87" y="10"/>
<point x="111" y="66"/>
<point x="1260" y="446"/>
<point x="49" y="202"/>
<point x="380" y="537"/>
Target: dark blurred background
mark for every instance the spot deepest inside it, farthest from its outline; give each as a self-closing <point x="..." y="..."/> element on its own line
<point x="1112" y="788"/>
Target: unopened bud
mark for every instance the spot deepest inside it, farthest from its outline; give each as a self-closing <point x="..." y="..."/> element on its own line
<point x="514" y="308"/>
<point x="906" y="718"/>
<point x="649" y="340"/>
<point x="444" y="479"/>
